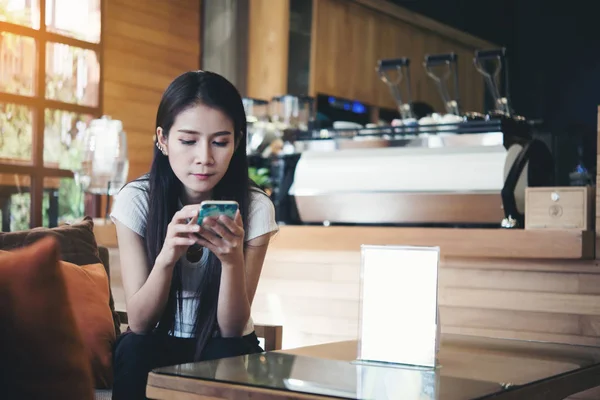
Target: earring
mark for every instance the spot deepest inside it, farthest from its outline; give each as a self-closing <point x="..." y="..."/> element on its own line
<point x="159" y="147"/>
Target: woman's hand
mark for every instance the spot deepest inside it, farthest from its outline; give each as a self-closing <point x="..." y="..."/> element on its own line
<point x="224" y="237"/>
<point x="180" y="236"/>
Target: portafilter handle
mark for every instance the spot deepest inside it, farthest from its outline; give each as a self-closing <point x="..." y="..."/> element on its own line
<point x="492" y="79"/>
<point x="402" y="67"/>
<point x="450" y="60"/>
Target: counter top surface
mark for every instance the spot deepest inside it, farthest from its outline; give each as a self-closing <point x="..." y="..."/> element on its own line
<point x="453" y="242"/>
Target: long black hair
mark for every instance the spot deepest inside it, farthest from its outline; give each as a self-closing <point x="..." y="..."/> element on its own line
<point x="188" y="90"/>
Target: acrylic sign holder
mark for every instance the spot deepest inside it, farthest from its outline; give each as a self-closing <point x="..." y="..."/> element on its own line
<point x="398" y="322"/>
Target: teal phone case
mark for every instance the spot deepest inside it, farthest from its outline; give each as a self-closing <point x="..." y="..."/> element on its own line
<point x="215" y="210"/>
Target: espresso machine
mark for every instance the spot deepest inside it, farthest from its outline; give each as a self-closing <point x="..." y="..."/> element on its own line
<point x="467" y="170"/>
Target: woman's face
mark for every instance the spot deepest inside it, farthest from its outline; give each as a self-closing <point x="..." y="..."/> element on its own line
<point x="200" y="145"/>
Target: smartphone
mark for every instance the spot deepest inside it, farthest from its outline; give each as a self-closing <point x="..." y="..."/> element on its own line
<point x="216" y="208"/>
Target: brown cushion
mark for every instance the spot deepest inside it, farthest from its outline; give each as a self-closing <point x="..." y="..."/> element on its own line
<point x="77" y="245"/>
<point x="77" y="242"/>
<point x="87" y="287"/>
<point x="42" y="352"/>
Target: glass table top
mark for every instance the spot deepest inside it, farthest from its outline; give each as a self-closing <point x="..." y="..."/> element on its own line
<point x="469" y="368"/>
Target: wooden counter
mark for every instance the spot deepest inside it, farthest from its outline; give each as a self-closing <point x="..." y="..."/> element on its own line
<point x="500" y="283"/>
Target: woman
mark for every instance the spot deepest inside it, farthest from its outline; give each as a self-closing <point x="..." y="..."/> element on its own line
<point x="188" y="287"/>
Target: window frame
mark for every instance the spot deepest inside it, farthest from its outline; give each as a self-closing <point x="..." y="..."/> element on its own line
<point x="38" y="104"/>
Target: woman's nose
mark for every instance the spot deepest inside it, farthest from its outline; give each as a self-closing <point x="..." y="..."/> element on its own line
<point x="204" y="154"/>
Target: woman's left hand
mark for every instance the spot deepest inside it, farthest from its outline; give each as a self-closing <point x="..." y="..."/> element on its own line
<point x="224" y="237"/>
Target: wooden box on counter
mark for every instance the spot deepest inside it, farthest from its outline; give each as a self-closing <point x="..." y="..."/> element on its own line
<point x="569" y="207"/>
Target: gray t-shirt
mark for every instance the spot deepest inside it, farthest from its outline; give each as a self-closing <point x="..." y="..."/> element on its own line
<point x="131" y="209"/>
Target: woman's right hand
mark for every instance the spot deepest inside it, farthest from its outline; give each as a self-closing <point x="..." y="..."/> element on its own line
<point x="180" y="236"/>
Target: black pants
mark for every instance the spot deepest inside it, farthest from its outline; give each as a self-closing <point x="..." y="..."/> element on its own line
<point x="136" y="355"/>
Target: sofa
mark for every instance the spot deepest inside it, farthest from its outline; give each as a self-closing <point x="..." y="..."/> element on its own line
<point x="59" y="314"/>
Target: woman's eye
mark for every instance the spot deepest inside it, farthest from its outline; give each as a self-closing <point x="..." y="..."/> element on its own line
<point x="187" y="142"/>
<point x="221" y="144"/>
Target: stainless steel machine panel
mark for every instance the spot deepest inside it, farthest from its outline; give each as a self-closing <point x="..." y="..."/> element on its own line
<point x="401" y="208"/>
<point x="395" y="185"/>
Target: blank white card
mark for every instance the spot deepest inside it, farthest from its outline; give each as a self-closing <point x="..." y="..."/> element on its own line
<point x="398" y="310"/>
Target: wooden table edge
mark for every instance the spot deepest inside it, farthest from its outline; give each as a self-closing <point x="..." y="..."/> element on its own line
<point x="557" y="387"/>
<point x="169" y="387"/>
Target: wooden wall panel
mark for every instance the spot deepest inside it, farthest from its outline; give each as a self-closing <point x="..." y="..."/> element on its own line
<point x="146" y="45"/>
<point x="350" y="37"/>
<point x="268" y="44"/>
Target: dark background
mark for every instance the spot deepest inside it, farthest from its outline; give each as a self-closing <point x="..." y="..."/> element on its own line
<point x="554" y="60"/>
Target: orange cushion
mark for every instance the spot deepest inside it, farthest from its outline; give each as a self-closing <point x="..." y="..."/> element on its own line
<point x="77" y="245"/>
<point x="88" y="291"/>
<point x="41" y="349"/>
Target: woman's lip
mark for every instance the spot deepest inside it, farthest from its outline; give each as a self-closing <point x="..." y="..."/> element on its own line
<point x="202" y="176"/>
